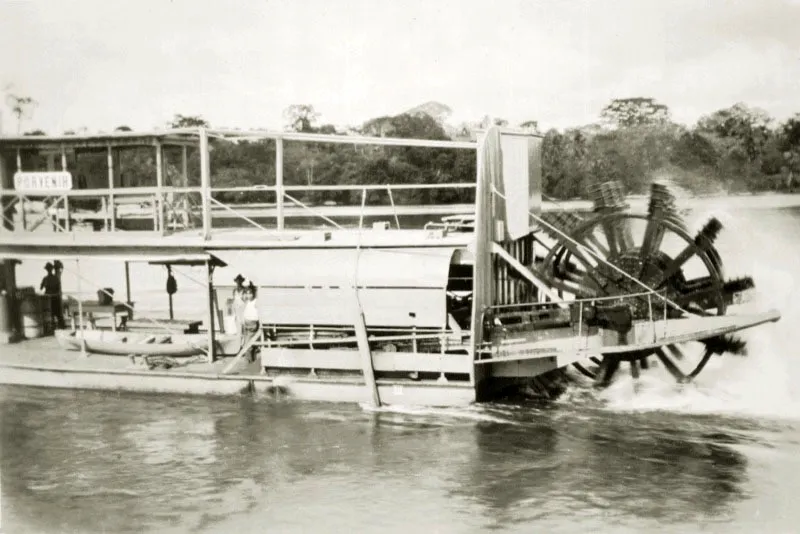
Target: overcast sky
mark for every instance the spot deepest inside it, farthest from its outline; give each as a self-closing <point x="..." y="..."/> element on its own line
<point x="100" y="64"/>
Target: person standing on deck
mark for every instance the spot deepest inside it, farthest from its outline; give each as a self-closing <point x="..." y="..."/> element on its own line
<point x="252" y="322"/>
<point x="51" y="286"/>
<point x="238" y="303"/>
<point x="58" y="309"/>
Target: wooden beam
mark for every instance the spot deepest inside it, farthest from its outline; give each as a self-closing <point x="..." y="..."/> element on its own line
<point x="279" y="181"/>
<point x="244" y="350"/>
<point x="111" y="204"/>
<point x="210" y="310"/>
<point x="127" y="282"/>
<point x="205" y="183"/>
<point x="349" y="360"/>
<point x="525" y="272"/>
<point x="363" y="349"/>
<point x="160" y="187"/>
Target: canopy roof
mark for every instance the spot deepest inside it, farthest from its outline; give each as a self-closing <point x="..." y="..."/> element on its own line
<point x="181" y="137"/>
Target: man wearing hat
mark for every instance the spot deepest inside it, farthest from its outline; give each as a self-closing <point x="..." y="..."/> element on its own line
<point x="51" y="285"/>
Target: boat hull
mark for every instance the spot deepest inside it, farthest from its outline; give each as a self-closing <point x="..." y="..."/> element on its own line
<point x="171" y="382"/>
<point x="122" y="344"/>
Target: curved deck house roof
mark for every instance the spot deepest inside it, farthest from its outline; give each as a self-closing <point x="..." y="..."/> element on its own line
<point x="397" y="287"/>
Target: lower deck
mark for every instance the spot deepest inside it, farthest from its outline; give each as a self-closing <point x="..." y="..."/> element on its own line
<point x="42" y="363"/>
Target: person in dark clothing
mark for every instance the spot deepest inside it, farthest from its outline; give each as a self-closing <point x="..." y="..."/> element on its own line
<point x="51" y="285"/>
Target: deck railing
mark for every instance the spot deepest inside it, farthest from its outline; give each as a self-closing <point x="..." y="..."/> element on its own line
<point x="657" y="311"/>
<point x="169" y="209"/>
<point x="199" y="207"/>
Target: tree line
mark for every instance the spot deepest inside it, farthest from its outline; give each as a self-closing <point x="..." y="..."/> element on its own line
<point x="736" y="149"/>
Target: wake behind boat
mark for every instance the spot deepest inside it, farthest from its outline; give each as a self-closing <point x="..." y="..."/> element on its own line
<point x="146" y="344"/>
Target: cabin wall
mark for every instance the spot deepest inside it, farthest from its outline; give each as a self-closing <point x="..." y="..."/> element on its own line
<point x="391" y="307"/>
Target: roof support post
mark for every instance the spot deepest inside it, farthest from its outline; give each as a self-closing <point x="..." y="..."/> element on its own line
<point x="205" y="183"/>
<point x="159" y="204"/>
<point x="111" y="205"/>
<point x="279" y="180"/>
<point x="127" y="282"/>
<point x="210" y="310"/>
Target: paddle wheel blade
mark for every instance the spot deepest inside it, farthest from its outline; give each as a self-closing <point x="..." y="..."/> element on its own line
<point x="610" y="197"/>
<point x="727" y="344"/>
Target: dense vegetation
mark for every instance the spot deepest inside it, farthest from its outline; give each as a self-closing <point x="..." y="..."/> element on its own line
<point x="736" y="149"/>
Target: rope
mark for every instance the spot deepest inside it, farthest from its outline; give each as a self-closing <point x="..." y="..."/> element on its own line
<point x="600" y="258"/>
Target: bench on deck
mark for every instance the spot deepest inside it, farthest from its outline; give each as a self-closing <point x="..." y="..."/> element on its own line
<point x="92" y="309"/>
<point x="172" y="325"/>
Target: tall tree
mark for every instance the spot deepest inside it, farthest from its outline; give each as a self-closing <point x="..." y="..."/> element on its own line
<point x="21" y="107"/>
<point x="301" y="117"/>
<point x="743" y="131"/>
<point x="790" y="147"/>
<point x="188" y="121"/>
<point x="637" y="111"/>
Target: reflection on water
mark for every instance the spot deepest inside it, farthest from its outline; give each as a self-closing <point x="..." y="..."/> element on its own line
<point x="94" y="462"/>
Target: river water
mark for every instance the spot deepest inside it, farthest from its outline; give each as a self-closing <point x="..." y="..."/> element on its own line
<point x="719" y="455"/>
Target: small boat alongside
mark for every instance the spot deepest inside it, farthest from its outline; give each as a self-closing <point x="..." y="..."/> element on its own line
<point x="145" y="343"/>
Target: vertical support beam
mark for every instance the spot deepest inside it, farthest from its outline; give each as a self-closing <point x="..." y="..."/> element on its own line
<point x="19" y="161"/>
<point x="160" y="186"/>
<point x="112" y="206"/>
<point x="185" y="167"/>
<point x="483" y="279"/>
<point x="80" y="309"/>
<point x="205" y="182"/>
<point x="4" y="225"/>
<point x="185" y="183"/>
<point x="127" y="282"/>
<point x="363" y="350"/>
<point x="394" y="208"/>
<point x="171" y="313"/>
<point x="210" y="310"/>
<point x="63" y="158"/>
<point x="279" y="181"/>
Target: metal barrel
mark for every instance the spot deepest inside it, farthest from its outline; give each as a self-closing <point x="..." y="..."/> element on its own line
<point x="31" y="312"/>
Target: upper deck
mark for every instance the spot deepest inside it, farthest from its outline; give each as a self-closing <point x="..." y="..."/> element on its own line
<point x="175" y="192"/>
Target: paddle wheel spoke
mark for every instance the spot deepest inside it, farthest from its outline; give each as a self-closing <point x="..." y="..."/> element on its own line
<point x="700" y="366"/>
<point x="670" y="365"/>
<point x="607" y="370"/>
<point x="634" y="364"/>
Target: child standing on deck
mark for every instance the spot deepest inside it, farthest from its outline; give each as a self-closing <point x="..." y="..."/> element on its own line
<point x="252" y="323"/>
<point x="238" y="303"/>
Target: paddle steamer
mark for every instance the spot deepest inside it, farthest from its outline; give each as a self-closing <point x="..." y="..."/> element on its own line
<point x="503" y="292"/>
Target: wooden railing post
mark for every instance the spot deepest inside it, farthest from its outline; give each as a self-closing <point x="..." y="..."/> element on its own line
<point x="160" y="187"/>
<point x="279" y="181"/>
<point x="205" y="182"/>
<point x="111" y="204"/>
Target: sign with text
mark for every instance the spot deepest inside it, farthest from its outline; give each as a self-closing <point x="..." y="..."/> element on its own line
<point x="43" y="181"/>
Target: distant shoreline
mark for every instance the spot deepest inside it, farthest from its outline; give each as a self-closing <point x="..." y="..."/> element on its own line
<point x="638" y="202"/>
<point x="746" y="201"/>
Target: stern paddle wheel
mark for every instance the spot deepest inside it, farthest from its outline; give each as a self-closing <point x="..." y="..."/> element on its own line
<point x="615" y="252"/>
